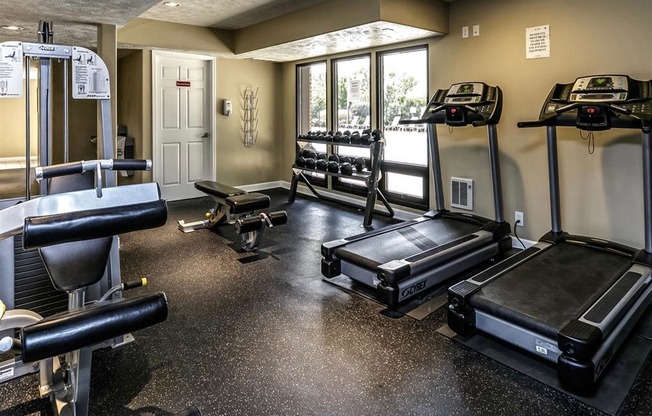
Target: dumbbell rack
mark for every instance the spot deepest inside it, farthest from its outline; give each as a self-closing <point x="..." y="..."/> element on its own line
<point x="370" y="178"/>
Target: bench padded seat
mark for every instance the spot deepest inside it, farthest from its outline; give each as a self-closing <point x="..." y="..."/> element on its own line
<point x="248" y="202"/>
<point x="218" y="189"/>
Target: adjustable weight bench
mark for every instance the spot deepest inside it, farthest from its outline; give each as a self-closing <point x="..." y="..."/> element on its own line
<point x="236" y="206"/>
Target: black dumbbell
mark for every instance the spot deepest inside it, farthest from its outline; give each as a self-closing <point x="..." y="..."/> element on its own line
<point x="376" y="135"/>
<point x="345" y="159"/>
<point x="301" y="161"/>
<point x="366" y="138"/>
<point x="346" y="169"/>
<point x="322" y="164"/>
<point x="355" y="137"/>
<point x="346" y="133"/>
<point x="310" y="163"/>
<point x="334" y="158"/>
<point x="310" y="154"/>
<point x="322" y="156"/>
<point x="366" y="131"/>
<point x="333" y="166"/>
<point x="360" y="164"/>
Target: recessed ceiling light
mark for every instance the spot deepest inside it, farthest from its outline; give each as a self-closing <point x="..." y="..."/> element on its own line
<point x="171" y="4"/>
<point x="11" y="27"/>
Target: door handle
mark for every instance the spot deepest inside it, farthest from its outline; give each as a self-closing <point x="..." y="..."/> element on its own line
<point x="205" y="135"/>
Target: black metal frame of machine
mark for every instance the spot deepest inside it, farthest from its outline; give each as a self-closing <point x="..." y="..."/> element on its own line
<point x="571" y="300"/>
<point x="405" y="259"/>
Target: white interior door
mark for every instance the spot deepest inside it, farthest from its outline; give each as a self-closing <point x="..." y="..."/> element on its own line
<point x="183" y="123"/>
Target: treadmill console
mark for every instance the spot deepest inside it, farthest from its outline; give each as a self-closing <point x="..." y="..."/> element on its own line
<point x="598" y="102"/>
<point x="463" y="103"/>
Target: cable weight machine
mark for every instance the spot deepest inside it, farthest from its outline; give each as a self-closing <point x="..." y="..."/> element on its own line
<point x="24" y="283"/>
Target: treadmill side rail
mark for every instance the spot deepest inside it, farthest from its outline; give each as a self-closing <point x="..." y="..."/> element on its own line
<point x="581" y="375"/>
<point x="582" y="337"/>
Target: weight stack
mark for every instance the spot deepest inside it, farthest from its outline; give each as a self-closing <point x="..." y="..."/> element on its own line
<point x="33" y="289"/>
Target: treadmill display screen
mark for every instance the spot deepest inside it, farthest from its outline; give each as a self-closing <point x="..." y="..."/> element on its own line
<point x="600" y="83"/>
<point x="465" y="89"/>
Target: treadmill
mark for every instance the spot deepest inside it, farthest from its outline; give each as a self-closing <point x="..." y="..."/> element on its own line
<point x="403" y="260"/>
<point x="571" y="300"/>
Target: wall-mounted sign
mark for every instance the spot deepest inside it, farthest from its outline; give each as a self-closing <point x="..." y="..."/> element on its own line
<point x="537" y="42"/>
<point x="183" y="83"/>
<point x="11" y="65"/>
<point x="90" y="76"/>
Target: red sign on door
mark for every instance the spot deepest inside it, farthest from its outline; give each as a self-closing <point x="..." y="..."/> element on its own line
<point x="183" y="83"/>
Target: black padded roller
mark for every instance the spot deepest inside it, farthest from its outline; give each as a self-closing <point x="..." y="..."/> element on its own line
<point x="72" y="330"/>
<point x="61" y="170"/>
<point x="246" y="225"/>
<point x="131" y="164"/>
<point x="85" y="225"/>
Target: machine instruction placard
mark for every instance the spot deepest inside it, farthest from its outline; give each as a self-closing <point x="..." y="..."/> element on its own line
<point x="537" y="42"/>
<point x="90" y="76"/>
<point x="11" y="69"/>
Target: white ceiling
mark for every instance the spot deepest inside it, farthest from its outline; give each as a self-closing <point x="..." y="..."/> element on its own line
<point x="359" y="37"/>
<point x="75" y="22"/>
<point x="225" y="14"/>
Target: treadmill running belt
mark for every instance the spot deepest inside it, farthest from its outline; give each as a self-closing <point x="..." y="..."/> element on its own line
<point x="552" y="288"/>
<point x="404" y="242"/>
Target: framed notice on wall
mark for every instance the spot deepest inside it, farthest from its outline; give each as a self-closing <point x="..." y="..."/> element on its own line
<point x="537" y="42"/>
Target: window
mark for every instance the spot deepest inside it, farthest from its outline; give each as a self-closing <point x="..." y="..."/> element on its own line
<point x="399" y="85"/>
<point x="312" y="107"/>
<point x="352" y="94"/>
<point x="403" y="80"/>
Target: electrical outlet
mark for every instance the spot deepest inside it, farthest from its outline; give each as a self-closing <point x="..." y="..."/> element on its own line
<point x="518" y="218"/>
<point x="476" y="30"/>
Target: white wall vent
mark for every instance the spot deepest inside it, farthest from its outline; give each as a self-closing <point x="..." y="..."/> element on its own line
<point x="462" y="193"/>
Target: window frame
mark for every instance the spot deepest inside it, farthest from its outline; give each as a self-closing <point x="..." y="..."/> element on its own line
<point x="314" y="180"/>
<point x="358" y="187"/>
<point x="422" y="171"/>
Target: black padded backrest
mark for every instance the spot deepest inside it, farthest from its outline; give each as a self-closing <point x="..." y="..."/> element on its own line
<point x="71" y="183"/>
<point x="76" y="264"/>
<point x="91" y="253"/>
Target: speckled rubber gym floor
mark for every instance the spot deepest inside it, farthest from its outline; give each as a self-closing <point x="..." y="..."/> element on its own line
<point x="262" y="334"/>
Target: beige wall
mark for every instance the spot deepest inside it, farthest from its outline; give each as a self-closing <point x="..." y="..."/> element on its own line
<point x="82" y="122"/>
<point x="237" y="164"/>
<point x="130" y="104"/>
<point x="602" y="192"/>
<point x="12" y="120"/>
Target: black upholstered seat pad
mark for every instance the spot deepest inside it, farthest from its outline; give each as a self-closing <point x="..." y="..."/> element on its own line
<point x="217" y="189"/>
